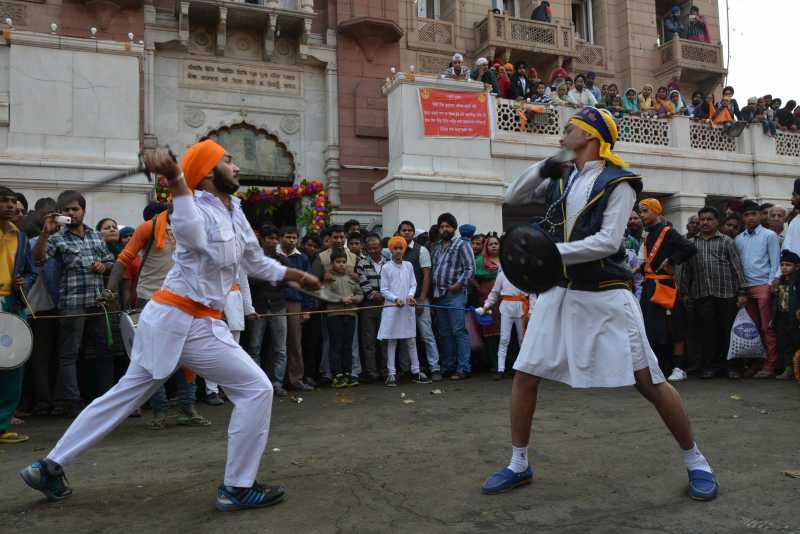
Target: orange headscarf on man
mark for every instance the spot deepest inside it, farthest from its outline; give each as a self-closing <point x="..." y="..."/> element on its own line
<point x="199" y="160"/>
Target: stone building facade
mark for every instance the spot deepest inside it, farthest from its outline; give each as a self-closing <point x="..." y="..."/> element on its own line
<point x="85" y="86"/>
<point x="620" y="40"/>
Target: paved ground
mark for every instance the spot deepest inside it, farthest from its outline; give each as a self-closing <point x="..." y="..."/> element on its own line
<point x="376" y="464"/>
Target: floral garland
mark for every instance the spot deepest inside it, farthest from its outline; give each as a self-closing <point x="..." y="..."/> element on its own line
<point x="315" y="214"/>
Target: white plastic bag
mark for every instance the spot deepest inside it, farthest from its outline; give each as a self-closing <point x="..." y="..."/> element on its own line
<point x="745" y="338"/>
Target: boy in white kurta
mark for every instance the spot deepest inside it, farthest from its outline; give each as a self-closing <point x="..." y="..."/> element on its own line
<point x="589" y="330"/>
<point x="514" y="308"/>
<point x="399" y="322"/>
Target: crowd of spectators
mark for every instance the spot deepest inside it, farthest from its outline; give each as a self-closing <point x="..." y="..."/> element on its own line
<point x="453" y="313"/>
<point x="524" y="84"/>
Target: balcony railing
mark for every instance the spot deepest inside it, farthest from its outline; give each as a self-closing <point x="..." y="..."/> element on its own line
<point x="432" y="34"/>
<point x="679" y="132"/>
<point x="523" y="34"/>
<point x="590" y="56"/>
<point x="692" y="55"/>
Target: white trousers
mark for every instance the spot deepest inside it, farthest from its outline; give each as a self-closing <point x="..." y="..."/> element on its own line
<point x="211" y="352"/>
<point x="213" y="387"/>
<point x="506" y="323"/>
<point x="391" y="351"/>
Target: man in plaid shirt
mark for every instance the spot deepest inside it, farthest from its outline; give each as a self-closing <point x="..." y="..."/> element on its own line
<point x="83" y="257"/>
<point x="713" y="284"/>
<point x="453" y="268"/>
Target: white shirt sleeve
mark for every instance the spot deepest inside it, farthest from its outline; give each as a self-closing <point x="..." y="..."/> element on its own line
<point x="256" y="264"/>
<point x="494" y="294"/>
<point x="187" y="223"/>
<point x="387" y="273"/>
<point x="424" y="258"/>
<point x="408" y="271"/>
<point x="528" y="186"/>
<point x="792" y="240"/>
<point x="607" y="241"/>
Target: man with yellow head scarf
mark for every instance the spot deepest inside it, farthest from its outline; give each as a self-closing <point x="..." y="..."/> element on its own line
<point x="182" y="326"/>
<point x="588" y="329"/>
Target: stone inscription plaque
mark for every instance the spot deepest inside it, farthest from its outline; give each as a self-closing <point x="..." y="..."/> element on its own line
<point x="248" y="78"/>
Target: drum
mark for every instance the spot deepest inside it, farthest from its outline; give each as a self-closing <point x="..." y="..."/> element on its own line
<point x="16" y="342"/>
<point x="127" y="329"/>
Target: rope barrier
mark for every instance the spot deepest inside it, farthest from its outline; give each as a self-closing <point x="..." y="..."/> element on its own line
<point x="107" y="313"/>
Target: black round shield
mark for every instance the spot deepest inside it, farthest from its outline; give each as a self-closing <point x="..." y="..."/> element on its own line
<point x="530" y="258"/>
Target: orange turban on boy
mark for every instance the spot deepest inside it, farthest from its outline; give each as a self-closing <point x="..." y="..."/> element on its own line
<point x="397" y="240"/>
<point x="653" y="205"/>
<point x="199" y="160"/>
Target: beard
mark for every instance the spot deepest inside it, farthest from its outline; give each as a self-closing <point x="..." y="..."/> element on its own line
<point x="222" y="184"/>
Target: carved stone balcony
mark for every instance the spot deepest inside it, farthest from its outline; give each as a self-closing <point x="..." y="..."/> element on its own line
<point x="692" y="61"/>
<point x="290" y="17"/>
<point x="433" y="35"/>
<point x="590" y="57"/>
<point x="502" y="31"/>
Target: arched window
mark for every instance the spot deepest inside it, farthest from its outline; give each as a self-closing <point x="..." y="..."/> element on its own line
<point x="261" y="158"/>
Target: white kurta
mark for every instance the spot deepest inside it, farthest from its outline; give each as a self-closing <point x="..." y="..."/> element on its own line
<point x="398" y="282"/>
<point x="585" y="338"/>
<point x="503" y="288"/>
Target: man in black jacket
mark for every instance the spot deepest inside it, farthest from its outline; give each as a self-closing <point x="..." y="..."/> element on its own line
<point x="520" y="85"/>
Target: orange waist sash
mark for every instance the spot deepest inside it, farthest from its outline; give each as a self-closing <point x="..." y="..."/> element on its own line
<point x="518" y="298"/>
<point x="185" y="304"/>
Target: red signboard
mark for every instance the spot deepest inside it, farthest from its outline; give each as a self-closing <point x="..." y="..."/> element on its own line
<point x="454" y="114"/>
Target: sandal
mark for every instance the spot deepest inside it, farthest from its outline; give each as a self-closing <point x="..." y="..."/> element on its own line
<point x="159" y="422"/>
<point x="12" y="438"/>
<point x="192" y="418"/>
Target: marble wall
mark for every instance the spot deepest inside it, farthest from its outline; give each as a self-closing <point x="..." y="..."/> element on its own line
<point x="73" y="118"/>
<point x="186" y="113"/>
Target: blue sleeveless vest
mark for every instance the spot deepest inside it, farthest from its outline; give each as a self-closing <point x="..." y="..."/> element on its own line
<point x="611" y="272"/>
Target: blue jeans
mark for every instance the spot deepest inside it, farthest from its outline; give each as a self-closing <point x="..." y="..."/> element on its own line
<point x="186" y="395"/>
<point x="424" y="333"/>
<point x="453" y="333"/>
<point x="277" y="332"/>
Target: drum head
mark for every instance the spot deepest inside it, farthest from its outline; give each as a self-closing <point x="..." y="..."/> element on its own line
<point x="16" y="342"/>
<point x="127" y="329"/>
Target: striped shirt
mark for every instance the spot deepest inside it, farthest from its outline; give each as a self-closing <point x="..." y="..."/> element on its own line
<point x="715" y="271"/>
<point x="451" y="265"/>
<point x="369" y="273"/>
<point x="79" y="285"/>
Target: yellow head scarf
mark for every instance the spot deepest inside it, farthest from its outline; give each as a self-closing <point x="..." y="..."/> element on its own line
<point x="599" y="123"/>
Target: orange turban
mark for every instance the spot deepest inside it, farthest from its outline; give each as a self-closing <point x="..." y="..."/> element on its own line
<point x="397" y="240"/>
<point x="653" y="205"/>
<point x="198" y="161"/>
<point x="508" y="66"/>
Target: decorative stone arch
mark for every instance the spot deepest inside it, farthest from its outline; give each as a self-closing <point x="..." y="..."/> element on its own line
<point x="278" y="165"/>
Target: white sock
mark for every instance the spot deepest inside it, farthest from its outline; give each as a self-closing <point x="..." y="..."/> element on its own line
<point x="695" y="460"/>
<point x="519" y="459"/>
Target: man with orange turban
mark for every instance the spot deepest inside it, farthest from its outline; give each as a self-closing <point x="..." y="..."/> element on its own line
<point x="182" y="326"/>
<point x="588" y="329"/>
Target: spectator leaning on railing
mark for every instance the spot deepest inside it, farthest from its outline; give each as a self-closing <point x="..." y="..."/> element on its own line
<point x="483" y="73"/>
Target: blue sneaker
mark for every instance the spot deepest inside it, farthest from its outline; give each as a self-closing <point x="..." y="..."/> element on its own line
<point x="49" y="478"/>
<point x="231" y="499"/>
<point x="505" y="480"/>
<point x="703" y="486"/>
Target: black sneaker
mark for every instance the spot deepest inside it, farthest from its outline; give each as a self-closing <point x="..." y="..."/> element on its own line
<point x="391" y="381"/>
<point x="421" y="378"/>
<point x="49" y="478"/>
<point x="351" y="381"/>
<point x="257" y="496"/>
